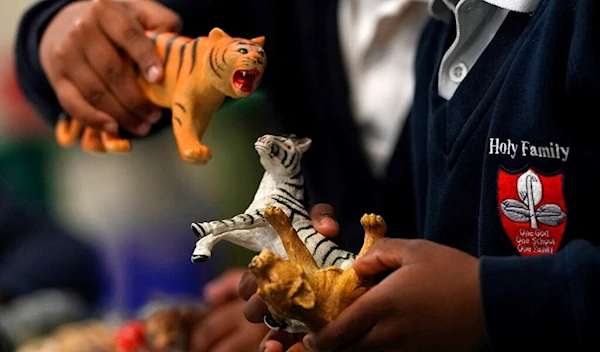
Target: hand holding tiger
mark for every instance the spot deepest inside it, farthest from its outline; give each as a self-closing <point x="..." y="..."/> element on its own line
<point x="100" y="87"/>
<point x="80" y="54"/>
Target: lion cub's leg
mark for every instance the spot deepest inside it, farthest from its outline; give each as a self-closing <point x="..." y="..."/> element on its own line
<point x="375" y="228"/>
<point x="190" y="120"/>
<point x="294" y="247"/>
<point x="112" y="143"/>
<point x="91" y="141"/>
<point x="349" y="286"/>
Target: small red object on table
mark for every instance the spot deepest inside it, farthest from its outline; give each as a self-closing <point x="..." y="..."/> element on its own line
<point x="130" y="337"/>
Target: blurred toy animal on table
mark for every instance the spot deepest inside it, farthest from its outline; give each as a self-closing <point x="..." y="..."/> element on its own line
<point x="161" y="326"/>
<point x="297" y="288"/>
<point x="83" y="336"/>
<point x="199" y="74"/>
<point x="164" y="330"/>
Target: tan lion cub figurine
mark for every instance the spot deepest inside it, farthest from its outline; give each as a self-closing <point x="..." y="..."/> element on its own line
<point x="297" y="288"/>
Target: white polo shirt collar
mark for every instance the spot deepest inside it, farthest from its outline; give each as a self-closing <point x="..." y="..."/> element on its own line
<point x="378" y="44"/>
<point x="444" y="8"/>
<point x="477" y="22"/>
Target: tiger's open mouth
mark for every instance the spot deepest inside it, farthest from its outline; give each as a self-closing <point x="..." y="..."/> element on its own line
<point x="244" y="80"/>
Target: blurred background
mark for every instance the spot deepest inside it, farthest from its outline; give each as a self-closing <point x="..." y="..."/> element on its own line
<point x="134" y="209"/>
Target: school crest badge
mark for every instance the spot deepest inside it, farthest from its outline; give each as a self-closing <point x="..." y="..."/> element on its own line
<point x="532" y="210"/>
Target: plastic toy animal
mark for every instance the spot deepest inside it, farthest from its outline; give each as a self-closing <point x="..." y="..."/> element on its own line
<point x="199" y="74"/>
<point x="165" y="330"/>
<point x="87" y="335"/>
<point x="168" y="329"/>
<point x="297" y="288"/>
<point x="282" y="185"/>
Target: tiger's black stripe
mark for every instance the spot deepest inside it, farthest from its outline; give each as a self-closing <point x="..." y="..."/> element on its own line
<point x="336" y="259"/>
<point x="212" y="65"/>
<point x="203" y="232"/>
<point x="296" y="206"/>
<point x="347" y="256"/>
<point x="170" y="42"/>
<point x="307" y="227"/>
<point x="293" y="213"/>
<point x="309" y="236"/>
<point x="291" y="160"/>
<point x="181" y="53"/>
<point x="333" y="248"/>
<point x="223" y="58"/>
<point x="323" y="240"/>
<point x="180" y="106"/>
<point x="296" y="201"/>
<point x="289" y="202"/>
<point x="194" y="45"/>
<point x="219" y="63"/>
<point x="293" y="210"/>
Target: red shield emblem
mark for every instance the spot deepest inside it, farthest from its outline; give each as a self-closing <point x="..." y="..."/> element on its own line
<point x="532" y="210"/>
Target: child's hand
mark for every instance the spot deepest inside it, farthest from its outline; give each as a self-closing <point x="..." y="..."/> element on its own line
<point x="224" y="327"/>
<point x="431" y="302"/>
<point x="83" y="53"/>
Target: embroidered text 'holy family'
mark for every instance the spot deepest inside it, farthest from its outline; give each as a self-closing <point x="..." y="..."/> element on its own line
<point x="525" y="148"/>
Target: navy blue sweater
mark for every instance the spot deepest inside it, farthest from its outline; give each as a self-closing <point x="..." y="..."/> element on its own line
<point x="505" y="170"/>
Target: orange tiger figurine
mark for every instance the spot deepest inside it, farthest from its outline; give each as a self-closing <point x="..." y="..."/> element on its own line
<point x="199" y="74"/>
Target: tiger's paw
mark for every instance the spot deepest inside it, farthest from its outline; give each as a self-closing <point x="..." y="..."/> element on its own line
<point x="92" y="145"/>
<point x="118" y="146"/>
<point x="200" y="254"/>
<point x="199" y="258"/>
<point x="200" y="229"/>
<point x="199" y="154"/>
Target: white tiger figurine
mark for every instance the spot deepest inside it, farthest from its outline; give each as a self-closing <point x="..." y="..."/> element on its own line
<point x="282" y="185"/>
